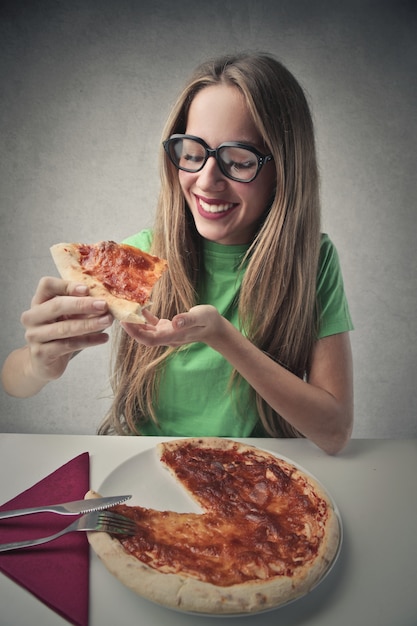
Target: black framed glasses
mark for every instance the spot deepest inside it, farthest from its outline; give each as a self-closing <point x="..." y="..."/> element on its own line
<point x="237" y="161"/>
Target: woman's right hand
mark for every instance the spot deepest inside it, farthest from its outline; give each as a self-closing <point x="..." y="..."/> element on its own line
<point x="62" y="320"/>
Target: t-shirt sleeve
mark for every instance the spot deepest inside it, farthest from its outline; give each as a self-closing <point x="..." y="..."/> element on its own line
<point x="142" y="240"/>
<point x="334" y="314"/>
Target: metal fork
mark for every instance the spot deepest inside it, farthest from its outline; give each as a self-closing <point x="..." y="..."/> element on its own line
<point x="104" y="521"/>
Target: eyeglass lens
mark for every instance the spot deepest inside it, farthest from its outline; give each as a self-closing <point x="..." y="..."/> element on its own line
<point x="237" y="163"/>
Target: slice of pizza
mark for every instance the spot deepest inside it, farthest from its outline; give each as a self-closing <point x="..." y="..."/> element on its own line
<point x="268" y="532"/>
<point x="118" y="273"/>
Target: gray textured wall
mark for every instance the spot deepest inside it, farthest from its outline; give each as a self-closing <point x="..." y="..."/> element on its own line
<point x="85" y="89"/>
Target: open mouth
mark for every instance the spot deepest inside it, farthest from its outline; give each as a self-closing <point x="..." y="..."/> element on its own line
<point x="214" y="207"/>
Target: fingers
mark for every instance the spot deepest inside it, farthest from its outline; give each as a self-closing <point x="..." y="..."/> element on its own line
<point x="49" y="287"/>
<point x="60" y="307"/>
<point x="198" y="324"/>
<point x="62" y="320"/>
<point x="48" y="355"/>
<point x="198" y="317"/>
<point x="164" y="333"/>
<point x="140" y="332"/>
<point x="179" y="322"/>
<point x="151" y="319"/>
<point x="150" y="335"/>
<point x="48" y="361"/>
<point x="66" y="328"/>
<point x="62" y="310"/>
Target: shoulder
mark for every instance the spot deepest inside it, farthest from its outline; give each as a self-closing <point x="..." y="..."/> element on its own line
<point x="329" y="264"/>
<point x="333" y="307"/>
<point x="142" y="240"/>
<point x="327" y="249"/>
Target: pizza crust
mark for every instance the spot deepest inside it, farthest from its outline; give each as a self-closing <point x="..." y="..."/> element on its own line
<point x="65" y="256"/>
<point x="186" y="593"/>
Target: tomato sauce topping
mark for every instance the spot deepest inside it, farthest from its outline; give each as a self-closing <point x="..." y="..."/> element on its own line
<point x="125" y="271"/>
<point x="260" y="521"/>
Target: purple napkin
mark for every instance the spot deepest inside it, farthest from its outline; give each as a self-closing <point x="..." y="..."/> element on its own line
<point x="58" y="572"/>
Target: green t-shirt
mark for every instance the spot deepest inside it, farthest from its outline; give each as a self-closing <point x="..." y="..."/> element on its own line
<point x="195" y="398"/>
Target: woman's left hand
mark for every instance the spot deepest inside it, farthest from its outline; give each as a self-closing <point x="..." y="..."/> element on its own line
<point x="198" y="324"/>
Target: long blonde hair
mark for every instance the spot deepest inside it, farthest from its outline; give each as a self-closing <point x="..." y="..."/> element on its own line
<point x="277" y="302"/>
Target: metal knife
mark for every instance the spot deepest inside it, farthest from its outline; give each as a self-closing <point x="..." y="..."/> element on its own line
<point x="69" y="508"/>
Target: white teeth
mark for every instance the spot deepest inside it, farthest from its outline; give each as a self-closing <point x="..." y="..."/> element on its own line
<point x="214" y="208"/>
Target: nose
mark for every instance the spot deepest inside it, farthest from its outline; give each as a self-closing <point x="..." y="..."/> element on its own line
<point x="211" y="176"/>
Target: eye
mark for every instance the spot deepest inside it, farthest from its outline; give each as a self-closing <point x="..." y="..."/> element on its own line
<point x="242" y="165"/>
<point x="194" y="158"/>
<point x="239" y="162"/>
<point x="189" y="153"/>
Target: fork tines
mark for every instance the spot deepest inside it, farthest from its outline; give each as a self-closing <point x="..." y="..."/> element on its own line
<point x="116" y="523"/>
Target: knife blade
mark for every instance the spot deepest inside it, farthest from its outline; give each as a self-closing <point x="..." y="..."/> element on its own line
<point x="69" y="508"/>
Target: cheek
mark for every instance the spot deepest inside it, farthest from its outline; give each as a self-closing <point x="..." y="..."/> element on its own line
<point x="260" y="198"/>
<point x="186" y="180"/>
<point x="267" y="190"/>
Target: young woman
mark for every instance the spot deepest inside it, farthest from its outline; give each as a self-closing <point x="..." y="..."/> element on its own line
<point x="248" y="332"/>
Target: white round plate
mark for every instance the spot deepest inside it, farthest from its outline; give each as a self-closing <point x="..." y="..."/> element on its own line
<point x="152" y="486"/>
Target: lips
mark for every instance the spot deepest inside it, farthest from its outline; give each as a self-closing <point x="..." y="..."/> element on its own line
<point x="213" y="208"/>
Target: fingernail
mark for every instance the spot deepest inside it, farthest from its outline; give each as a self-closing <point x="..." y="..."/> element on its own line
<point x="81" y="289"/>
<point x="99" y="305"/>
<point x="180" y="322"/>
<point x="105" y="319"/>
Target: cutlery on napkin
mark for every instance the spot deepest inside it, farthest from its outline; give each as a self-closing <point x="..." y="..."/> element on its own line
<point x="68" y="508"/>
<point x="58" y="575"/>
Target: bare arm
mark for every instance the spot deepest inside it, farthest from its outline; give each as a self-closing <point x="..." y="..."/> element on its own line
<point x="62" y="320"/>
<point x="321" y="409"/>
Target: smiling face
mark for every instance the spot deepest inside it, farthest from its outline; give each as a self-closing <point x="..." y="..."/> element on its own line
<point x="225" y="211"/>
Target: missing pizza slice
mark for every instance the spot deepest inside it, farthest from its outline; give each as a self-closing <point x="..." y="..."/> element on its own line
<point x="120" y="274"/>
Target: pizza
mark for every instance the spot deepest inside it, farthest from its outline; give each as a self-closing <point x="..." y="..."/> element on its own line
<point x="120" y="274"/>
<point x="267" y="532"/>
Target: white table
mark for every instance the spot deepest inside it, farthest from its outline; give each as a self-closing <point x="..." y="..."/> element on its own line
<point x="374" y="582"/>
